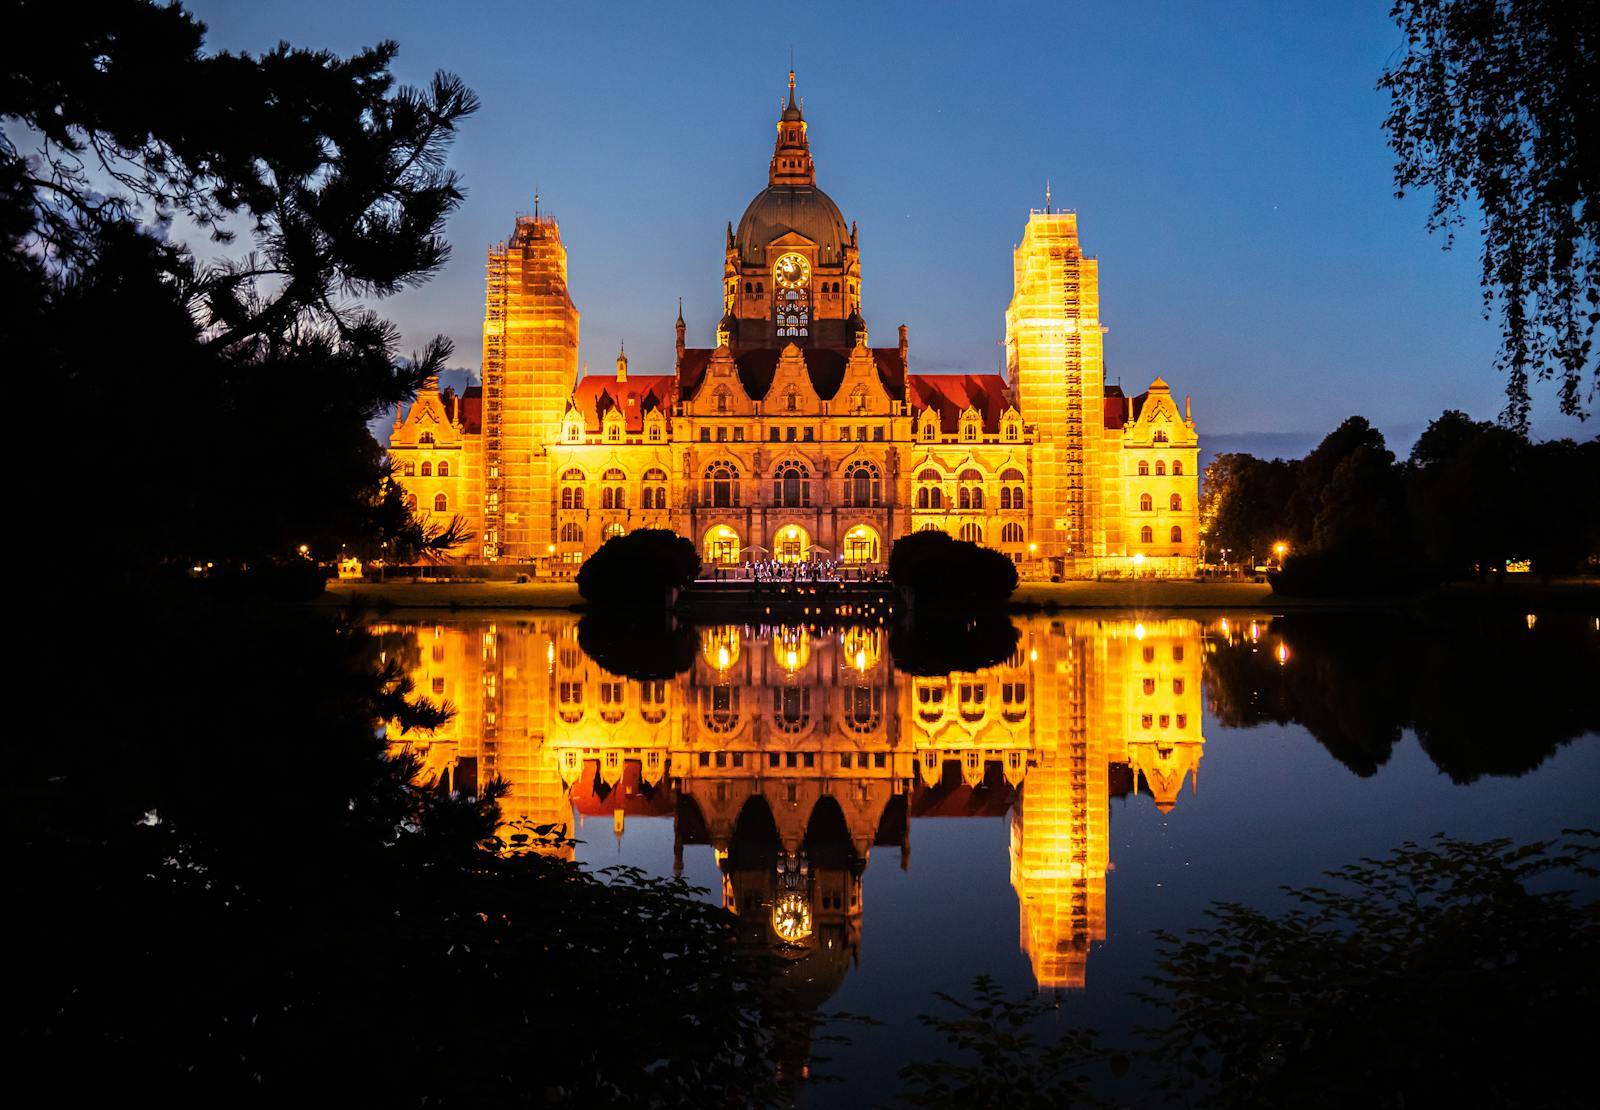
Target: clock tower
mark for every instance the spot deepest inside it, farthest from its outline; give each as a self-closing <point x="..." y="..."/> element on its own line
<point x="792" y="273"/>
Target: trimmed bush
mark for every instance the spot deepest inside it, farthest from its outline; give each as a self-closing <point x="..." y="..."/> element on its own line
<point x="639" y="568"/>
<point x="938" y="570"/>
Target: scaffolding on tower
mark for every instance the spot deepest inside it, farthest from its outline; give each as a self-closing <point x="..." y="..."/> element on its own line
<point x="494" y="370"/>
<point x="1073" y="374"/>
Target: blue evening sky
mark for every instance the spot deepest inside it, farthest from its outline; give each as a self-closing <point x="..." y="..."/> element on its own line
<point x="1227" y="162"/>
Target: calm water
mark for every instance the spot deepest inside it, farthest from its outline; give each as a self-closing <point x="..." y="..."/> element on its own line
<point x="1035" y="820"/>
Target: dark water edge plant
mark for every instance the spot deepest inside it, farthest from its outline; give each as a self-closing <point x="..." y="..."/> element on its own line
<point x="230" y="891"/>
<point x="1452" y="973"/>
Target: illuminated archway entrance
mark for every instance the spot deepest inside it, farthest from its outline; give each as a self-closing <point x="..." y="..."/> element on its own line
<point x="791" y="544"/>
<point x="861" y="545"/>
<point x="722" y="545"/>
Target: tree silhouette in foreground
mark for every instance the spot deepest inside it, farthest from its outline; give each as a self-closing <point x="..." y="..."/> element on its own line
<point x="1493" y="106"/>
<point x="216" y="399"/>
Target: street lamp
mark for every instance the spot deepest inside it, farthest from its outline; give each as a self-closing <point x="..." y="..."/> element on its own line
<point x="1280" y="549"/>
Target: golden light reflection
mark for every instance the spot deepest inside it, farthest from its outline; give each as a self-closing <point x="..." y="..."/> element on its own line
<point x="1084" y="711"/>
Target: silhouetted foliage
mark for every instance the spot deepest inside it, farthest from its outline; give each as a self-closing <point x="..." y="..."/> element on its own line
<point x="1434" y="976"/>
<point x="640" y="568"/>
<point x="998" y="1058"/>
<point x="1356" y="682"/>
<point x="229" y="394"/>
<point x="935" y="641"/>
<point x="639" y="644"/>
<point x="1242" y="506"/>
<point x="234" y="896"/>
<point x="1493" y="105"/>
<point x="939" y="570"/>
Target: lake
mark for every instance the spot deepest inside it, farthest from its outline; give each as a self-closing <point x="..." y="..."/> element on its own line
<point x="895" y="834"/>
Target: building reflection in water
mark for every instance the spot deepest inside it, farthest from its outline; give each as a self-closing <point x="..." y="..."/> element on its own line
<point x="794" y="753"/>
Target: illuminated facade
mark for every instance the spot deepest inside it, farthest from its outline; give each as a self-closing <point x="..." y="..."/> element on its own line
<point x="793" y="434"/>
<point x="794" y="754"/>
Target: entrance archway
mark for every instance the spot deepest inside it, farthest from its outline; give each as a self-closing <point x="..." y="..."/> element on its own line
<point x="722" y="545"/>
<point x="861" y="545"/>
<point x="791" y="544"/>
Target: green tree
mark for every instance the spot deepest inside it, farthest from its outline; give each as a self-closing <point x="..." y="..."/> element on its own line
<point x="226" y="392"/>
<point x="1494" y="102"/>
<point x="1244" y="505"/>
<point x="1467" y="494"/>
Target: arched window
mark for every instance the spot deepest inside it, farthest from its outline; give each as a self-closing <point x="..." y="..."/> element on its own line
<point x="1144" y="469"/>
<point x="970" y="493"/>
<point x="614" y="432"/>
<point x="1005" y="497"/>
<point x="410" y="469"/>
<point x="572" y="475"/>
<point x="791" y="485"/>
<point x="654" y="493"/>
<point x="425" y="437"/>
<point x="1146" y="503"/>
<point x="571" y="532"/>
<point x="1011" y="474"/>
<point x="1012" y="434"/>
<point x="969" y="430"/>
<point x="862" y="485"/>
<point x="972" y="533"/>
<point x="444" y="470"/>
<point x="1177" y="467"/>
<point x="1177" y="534"/>
<point x="574" y="433"/>
<point x="566" y="499"/>
<point x="1161" y="468"/>
<point x="613" y="531"/>
<point x="928" y="430"/>
<point x="1159" y="436"/>
<point x="1016" y="497"/>
<point x="606" y="498"/>
<point x="722" y="485"/>
<point x="1147" y="534"/>
<point x="922" y="498"/>
<point x="440" y="504"/>
<point x="1175" y="502"/>
<point x="1011" y="533"/>
<point x="427" y="470"/>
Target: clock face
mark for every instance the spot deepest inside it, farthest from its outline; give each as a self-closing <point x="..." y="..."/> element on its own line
<point x="791" y="917"/>
<point x="792" y="271"/>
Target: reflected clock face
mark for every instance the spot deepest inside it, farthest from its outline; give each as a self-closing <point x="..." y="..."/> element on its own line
<point x="792" y="271"/>
<point x="791" y="917"/>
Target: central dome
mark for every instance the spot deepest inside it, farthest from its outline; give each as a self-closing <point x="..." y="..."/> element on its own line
<point x="804" y="209"/>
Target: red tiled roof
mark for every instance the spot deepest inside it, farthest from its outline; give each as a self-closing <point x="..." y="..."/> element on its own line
<point x="597" y="395"/>
<point x="825" y="366"/>
<point x="472" y="409"/>
<point x="635" y="797"/>
<point x="951" y="394"/>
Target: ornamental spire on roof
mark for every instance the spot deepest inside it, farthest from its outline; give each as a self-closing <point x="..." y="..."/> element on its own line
<point x="791" y="155"/>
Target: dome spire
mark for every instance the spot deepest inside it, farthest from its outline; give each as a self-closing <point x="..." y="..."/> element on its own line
<point x="791" y="155"/>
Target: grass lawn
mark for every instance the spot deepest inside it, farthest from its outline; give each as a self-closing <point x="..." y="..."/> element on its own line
<point x="452" y="595"/>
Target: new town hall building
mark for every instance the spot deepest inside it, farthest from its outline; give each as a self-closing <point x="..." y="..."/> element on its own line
<point x="795" y="435"/>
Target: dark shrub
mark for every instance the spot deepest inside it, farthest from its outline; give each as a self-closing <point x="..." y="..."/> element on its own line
<point x="1344" y="574"/>
<point x="639" y="568"/>
<point x="936" y="641"/>
<point x="938" y="570"/>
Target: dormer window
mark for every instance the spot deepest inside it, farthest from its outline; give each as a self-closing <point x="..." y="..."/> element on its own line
<point x="1159" y="436"/>
<point x="426" y="438"/>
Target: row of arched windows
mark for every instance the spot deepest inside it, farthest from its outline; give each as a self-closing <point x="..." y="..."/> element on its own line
<point x="1147" y="534"/>
<point x="613" y="494"/>
<point x="1147" y="503"/>
<point x="409" y="469"/>
<point x="1161" y="468"/>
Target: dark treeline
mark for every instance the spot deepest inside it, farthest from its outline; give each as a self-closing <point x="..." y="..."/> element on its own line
<point x="232" y="890"/>
<point x="1472" y="497"/>
<point x="1356" y="680"/>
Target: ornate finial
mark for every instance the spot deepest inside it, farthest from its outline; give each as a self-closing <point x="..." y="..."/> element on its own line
<point x="536" y="202"/>
<point x="622" y="362"/>
<point x="680" y="310"/>
<point x="1047" y="195"/>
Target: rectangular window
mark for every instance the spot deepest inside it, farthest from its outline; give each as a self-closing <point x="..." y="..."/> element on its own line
<point x="791" y="435"/>
<point x="791" y="759"/>
<point x="877" y="434"/>
<point x="807" y="436"/>
<point x="773" y="758"/>
<point x="705" y="759"/>
<point x="705" y="435"/>
<point x="844" y="433"/>
<point x="738" y="759"/>
<point x="879" y="759"/>
<point x="776" y="435"/>
<point x="655" y="433"/>
<point x="738" y="435"/>
<point x="811" y="759"/>
<point x="722" y="435"/>
<point x="722" y="759"/>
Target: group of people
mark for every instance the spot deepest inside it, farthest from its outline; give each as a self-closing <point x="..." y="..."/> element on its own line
<point x="814" y="569"/>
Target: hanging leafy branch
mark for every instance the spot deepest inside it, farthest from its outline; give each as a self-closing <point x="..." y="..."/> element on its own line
<point x="1495" y="101"/>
